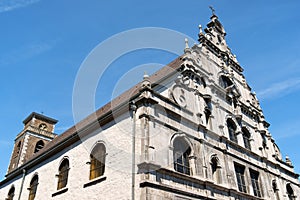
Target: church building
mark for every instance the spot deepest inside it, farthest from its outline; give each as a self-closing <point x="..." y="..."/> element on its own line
<point x="192" y="130"/>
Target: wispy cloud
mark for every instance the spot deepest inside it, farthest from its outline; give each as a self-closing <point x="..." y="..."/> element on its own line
<point x="286" y="130"/>
<point x="26" y="52"/>
<point x="280" y="89"/>
<point x="9" y="5"/>
<point x="5" y="143"/>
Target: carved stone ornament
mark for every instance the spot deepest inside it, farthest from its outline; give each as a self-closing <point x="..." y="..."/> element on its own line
<point x="179" y="95"/>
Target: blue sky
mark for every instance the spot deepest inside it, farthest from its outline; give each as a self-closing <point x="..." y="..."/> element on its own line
<point x="44" y="42"/>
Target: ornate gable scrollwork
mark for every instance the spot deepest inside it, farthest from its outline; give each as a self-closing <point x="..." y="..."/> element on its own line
<point x="191" y="78"/>
<point x="213" y="38"/>
<point x="232" y="92"/>
<point x="229" y="85"/>
<point x="178" y="93"/>
<point x="188" y="82"/>
<point x="189" y="91"/>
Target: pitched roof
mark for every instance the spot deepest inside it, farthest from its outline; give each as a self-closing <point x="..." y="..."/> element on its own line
<point x="40" y="116"/>
<point x="71" y="135"/>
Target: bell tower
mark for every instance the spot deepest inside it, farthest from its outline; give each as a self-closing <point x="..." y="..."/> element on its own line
<point x="37" y="132"/>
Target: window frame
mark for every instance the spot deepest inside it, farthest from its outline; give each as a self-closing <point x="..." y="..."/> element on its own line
<point x="231" y="127"/>
<point x="63" y="174"/>
<point x="181" y="154"/>
<point x="97" y="161"/>
<point x="240" y="177"/>
<point x="33" y="187"/>
<point x="11" y="193"/>
<point x="275" y="189"/>
<point x="18" y="149"/>
<point x="246" y="138"/>
<point x="215" y="169"/>
<point x="254" y="176"/>
<point x="290" y="191"/>
<point x="225" y="81"/>
<point x="39" y="145"/>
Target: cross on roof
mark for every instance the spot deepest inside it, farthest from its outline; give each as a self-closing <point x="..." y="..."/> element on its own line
<point x="212" y="10"/>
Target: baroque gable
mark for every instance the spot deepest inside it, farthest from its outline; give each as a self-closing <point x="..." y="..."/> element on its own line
<point x="192" y="130"/>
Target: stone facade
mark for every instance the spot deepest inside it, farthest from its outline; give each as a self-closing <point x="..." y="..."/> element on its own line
<point x="197" y="130"/>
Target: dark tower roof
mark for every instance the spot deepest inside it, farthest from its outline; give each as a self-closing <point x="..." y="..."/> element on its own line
<point x="41" y="117"/>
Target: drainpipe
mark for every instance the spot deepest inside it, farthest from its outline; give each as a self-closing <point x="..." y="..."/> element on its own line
<point x="21" y="188"/>
<point x="133" y="109"/>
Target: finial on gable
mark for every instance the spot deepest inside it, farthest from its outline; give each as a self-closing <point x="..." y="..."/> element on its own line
<point x="200" y="29"/>
<point x="186" y="43"/>
<point x="146" y="83"/>
<point x="145" y="75"/>
<point x="187" y="48"/>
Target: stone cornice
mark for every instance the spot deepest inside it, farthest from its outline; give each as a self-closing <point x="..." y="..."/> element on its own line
<point x="38" y="131"/>
<point x="202" y="182"/>
<point x="224" y="139"/>
<point x="216" y="51"/>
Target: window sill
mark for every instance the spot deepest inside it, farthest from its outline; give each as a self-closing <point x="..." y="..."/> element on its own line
<point x="94" y="181"/>
<point x="61" y="191"/>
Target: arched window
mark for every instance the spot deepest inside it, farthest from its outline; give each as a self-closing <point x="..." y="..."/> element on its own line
<point x="208" y="107"/>
<point x="225" y="82"/>
<point x="275" y="190"/>
<point x="254" y="175"/>
<point x="181" y="156"/>
<point x="290" y="191"/>
<point x="216" y="169"/>
<point x="63" y="174"/>
<point x="19" y="148"/>
<point x="33" y="187"/>
<point x="246" y="138"/>
<point x="39" y="145"/>
<point x="11" y="193"/>
<point x="97" y="157"/>
<point x="231" y="130"/>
